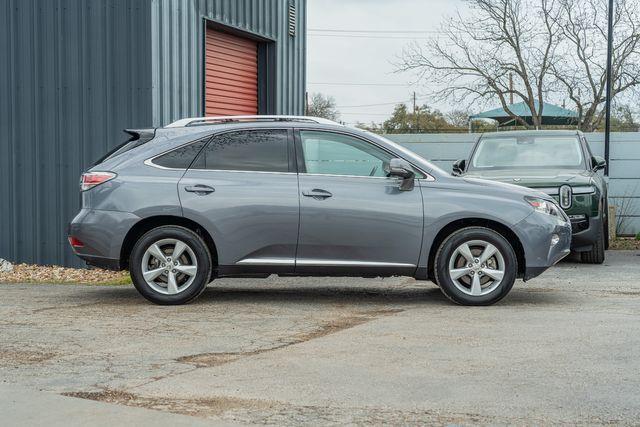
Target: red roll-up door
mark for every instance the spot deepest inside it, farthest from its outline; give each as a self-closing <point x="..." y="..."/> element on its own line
<point x="231" y="75"/>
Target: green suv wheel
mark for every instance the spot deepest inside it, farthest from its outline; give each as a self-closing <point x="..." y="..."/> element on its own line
<point x="596" y="254"/>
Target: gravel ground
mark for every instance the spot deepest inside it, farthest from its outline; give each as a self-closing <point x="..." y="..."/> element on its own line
<point x="29" y="273"/>
<point x="561" y="349"/>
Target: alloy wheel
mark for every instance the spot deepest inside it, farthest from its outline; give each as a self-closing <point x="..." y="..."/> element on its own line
<point x="169" y="266"/>
<point x="476" y="268"/>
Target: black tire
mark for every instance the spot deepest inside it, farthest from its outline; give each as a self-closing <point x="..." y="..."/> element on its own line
<point x="596" y="254"/>
<point x="199" y="250"/>
<point x="447" y="250"/>
<point x="606" y="227"/>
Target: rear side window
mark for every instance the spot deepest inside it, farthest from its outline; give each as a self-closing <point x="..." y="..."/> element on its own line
<point x="181" y="158"/>
<point x="253" y="150"/>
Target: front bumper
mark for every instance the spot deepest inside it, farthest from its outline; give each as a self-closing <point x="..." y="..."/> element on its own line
<point x="535" y="232"/>
<point x="586" y="233"/>
<point x="101" y="234"/>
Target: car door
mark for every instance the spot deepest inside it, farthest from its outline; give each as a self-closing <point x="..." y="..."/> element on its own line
<point x="353" y="218"/>
<point x="243" y="188"/>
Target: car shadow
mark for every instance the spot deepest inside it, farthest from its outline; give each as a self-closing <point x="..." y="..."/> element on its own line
<point x="272" y="293"/>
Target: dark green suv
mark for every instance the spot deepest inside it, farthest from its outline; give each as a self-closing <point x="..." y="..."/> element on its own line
<point x="558" y="163"/>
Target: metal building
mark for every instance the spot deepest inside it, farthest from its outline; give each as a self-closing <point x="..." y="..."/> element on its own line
<point x="74" y="73"/>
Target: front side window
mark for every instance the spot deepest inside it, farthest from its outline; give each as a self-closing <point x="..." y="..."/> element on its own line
<point x="528" y="152"/>
<point x="252" y="150"/>
<point x="329" y="153"/>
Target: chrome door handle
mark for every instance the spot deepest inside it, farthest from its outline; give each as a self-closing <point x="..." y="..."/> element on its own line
<point x="199" y="189"/>
<point x="317" y="194"/>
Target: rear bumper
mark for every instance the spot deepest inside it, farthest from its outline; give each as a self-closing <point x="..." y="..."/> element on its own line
<point x="536" y="232"/>
<point x="101" y="234"/>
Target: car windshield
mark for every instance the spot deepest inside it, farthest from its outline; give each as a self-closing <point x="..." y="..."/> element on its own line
<point x="498" y="152"/>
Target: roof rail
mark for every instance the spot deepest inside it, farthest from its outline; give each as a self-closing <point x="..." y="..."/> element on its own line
<point x="258" y="118"/>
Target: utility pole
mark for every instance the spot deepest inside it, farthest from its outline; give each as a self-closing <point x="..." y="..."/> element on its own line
<point x="415" y="116"/>
<point x="607" y="114"/>
<point x="306" y="103"/>
<point x="510" y="88"/>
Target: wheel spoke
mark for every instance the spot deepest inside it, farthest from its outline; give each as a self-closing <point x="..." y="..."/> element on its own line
<point x="456" y="273"/>
<point x="494" y="274"/>
<point x="465" y="251"/>
<point x="189" y="270"/>
<point x="172" y="286"/>
<point x="476" y="289"/>
<point x="157" y="253"/>
<point x="488" y="253"/>
<point x="152" y="274"/>
<point x="178" y="249"/>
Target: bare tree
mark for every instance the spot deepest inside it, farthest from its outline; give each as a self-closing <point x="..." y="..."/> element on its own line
<point x="581" y="71"/>
<point x="323" y="106"/>
<point x="530" y="50"/>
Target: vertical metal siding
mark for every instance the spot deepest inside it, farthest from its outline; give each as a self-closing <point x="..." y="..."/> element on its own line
<point x="177" y="43"/>
<point x="74" y="74"/>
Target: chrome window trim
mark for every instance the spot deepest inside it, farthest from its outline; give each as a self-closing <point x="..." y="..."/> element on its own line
<point x="426" y="178"/>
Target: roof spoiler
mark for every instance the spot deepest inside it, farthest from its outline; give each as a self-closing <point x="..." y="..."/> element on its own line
<point x="137" y="137"/>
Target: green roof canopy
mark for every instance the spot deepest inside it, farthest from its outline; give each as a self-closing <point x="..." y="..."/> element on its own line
<point x="551" y="115"/>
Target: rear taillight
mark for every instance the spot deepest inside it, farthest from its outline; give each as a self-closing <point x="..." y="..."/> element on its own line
<point x="75" y="242"/>
<point x="91" y="179"/>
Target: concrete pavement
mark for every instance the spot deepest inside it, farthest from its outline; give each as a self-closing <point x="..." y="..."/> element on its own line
<point x="562" y="348"/>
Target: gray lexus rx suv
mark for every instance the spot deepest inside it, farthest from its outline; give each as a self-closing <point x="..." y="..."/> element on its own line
<point x="250" y="196"/>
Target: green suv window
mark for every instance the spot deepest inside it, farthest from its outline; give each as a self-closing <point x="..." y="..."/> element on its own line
<point x="528" y="152"/>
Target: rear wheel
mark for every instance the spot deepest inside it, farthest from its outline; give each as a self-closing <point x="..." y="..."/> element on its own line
<point x="596" y="254"/>
<point x="170" y="265"/>
<point x="475" y="266"/>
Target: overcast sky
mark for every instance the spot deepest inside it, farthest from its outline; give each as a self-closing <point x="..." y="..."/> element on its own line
<point x="360" y="53"/>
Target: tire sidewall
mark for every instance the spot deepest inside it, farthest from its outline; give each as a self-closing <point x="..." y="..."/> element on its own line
<point x="203" y="257"/>
<point x="447" y="249"/>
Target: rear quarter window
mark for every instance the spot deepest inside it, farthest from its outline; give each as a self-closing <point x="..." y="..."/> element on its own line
<point x="180" y="158"/>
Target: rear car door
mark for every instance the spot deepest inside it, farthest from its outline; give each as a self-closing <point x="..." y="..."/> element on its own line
<point x="244" y="189"/>
<point x="352" y="216"/>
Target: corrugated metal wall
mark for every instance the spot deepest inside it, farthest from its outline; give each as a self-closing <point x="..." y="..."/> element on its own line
<point x="73" y="74"/>
<point x="177" y="29"/>
<point x="624" y="171"/>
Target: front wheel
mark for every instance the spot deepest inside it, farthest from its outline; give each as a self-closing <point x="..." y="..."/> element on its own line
<point x="596" y="254"/>
<point x="170" y="265"/>
<point x="475" y="266"/>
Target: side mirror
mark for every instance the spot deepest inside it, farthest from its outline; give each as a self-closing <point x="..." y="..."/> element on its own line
<point x="598" y="163"/>
<point x="402" y="169"/>
<point x="459" y="166"/>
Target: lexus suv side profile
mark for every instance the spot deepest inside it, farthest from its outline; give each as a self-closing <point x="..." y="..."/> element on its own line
<point x="235" y="196"/>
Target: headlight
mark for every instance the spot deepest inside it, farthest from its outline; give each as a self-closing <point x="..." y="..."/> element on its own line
<point x="542" y="205"/>
<point x="565" y="196"/>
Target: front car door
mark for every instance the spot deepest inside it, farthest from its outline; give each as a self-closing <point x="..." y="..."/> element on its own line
<point x="243" y="188"/>
<point x="353" y="218"/>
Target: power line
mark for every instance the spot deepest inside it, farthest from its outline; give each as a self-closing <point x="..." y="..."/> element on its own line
<point x="373" y="105"/>
<point x="357" y="36"/>
<point x="360" y="84"/>
<point x="329" y="30"/>
<point x="380" y="104"/>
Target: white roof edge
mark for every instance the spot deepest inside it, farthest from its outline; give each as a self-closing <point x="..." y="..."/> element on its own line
<point x="187" y="121"/>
